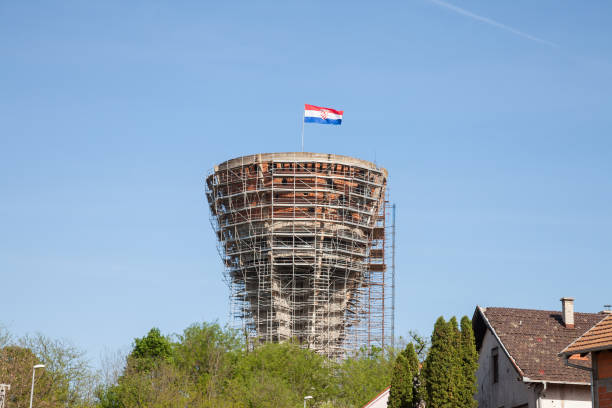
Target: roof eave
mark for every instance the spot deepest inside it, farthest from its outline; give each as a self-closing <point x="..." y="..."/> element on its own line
<point x="567" y="354"/>
<point x="529" y="380"/>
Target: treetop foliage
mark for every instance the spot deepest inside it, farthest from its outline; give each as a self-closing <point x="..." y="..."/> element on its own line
<point x="469" y="364"/>
<point x="65" y="381"/>
<point x="404" y="391"/>
<point x="449" y="371"/>
<point x="211" y="366"/>
<point x="152" y="346"/>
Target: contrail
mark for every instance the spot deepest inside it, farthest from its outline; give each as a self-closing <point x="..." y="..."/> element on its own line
<point x="493" y="23"/>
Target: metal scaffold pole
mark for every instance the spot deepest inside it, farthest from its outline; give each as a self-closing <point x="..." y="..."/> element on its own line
<point x="393" y="278"/>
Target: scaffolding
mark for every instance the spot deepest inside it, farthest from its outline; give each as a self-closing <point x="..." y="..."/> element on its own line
<point x="305" y="239"/>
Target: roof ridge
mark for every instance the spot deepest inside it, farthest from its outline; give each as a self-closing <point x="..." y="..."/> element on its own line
<point x="486" y="309"/>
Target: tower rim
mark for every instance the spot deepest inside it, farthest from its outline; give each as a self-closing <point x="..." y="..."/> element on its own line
<point x="299" y="157"/>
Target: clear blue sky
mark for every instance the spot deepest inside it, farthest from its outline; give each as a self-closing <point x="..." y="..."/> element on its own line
<point x="493" y="119"/>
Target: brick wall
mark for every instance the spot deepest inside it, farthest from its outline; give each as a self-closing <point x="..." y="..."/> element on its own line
<point x="604" y="378"/>
<point x="604" y="364"/>
<point x="604" y="395"/>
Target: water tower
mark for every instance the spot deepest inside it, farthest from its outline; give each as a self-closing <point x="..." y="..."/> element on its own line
<point x="304" y="240"/>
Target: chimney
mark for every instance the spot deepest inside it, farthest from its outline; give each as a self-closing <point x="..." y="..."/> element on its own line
<point x="568" y="312"/>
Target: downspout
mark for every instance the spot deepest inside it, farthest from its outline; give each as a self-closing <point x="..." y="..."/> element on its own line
<point x="539" y="400"/>
<point x="593" y="387"/>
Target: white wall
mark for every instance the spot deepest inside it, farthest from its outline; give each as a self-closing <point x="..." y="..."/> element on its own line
<point x="508" y="391"/>
<point x="380" y="401"/>
<point x="566" y="396"/>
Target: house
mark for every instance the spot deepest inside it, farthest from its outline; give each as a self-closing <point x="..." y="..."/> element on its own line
<point x="519" y="366"/>
<point x="597" y="342"/>
<point x="380" y="401"/>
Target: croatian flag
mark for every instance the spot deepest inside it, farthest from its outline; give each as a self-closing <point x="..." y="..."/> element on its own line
<point x="317" y="114"/>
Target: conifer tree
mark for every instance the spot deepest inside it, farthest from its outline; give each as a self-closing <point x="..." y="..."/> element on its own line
<point x="413" y="361"/>
<point x="469" y="365"/>
<point x="454" y="355"/>
<point x="439" y="367"/>
<point x="404" y="380"/>
<point x="401" y="383"/>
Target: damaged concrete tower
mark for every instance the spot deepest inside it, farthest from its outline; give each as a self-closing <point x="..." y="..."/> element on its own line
<point x="302" y="237"/>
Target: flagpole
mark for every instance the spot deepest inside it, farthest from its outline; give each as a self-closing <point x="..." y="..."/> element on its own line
<point x="303" y="117"/>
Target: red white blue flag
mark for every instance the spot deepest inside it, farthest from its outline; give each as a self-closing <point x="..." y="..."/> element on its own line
<point x="326" y="116"/>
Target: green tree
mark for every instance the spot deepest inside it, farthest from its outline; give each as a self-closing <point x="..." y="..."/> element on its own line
<point x="400" y="395"/>
<point x="65" y="381"/>
<point x="207" y="353"/>
<point x="281" y="370"/>
<point x="262" y="389"/>
<point x="150" y="378"/>
<point x="152" y="346"/>
<point x="454" y="355"/>
<point x="209" y="367"/>
<point x="438" y="368"/>
<point x="109" y="396"/>
<point x="16" y="369"/>
<point x="469" y="365"/>
<point x="150" y="351"/>
<point x="404" y="381"/>
<point x="363" y="376"/>
<point x="67" y="368"/>
<point x="160" y="386"/>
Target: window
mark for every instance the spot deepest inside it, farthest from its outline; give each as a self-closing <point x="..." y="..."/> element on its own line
<point x="495" y="364"/>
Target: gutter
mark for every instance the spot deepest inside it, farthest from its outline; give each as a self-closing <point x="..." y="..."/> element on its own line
<point x="529" y="380"/>
<point x="578" y="366"/>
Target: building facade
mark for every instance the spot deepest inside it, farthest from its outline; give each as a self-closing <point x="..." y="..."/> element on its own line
<point x="596" y="342"/>
<point x="518" y="362"/>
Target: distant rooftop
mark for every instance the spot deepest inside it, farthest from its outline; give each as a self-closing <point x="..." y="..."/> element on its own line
<point x="533" y="340"/>
<point x="598" y="337"/>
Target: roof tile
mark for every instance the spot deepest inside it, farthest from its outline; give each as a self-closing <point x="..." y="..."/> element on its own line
<point x="533" y="339"/>
<point x="597" y="337"/>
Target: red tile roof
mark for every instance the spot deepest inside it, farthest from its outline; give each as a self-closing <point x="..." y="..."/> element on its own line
<point x="598" y="337"/>
<point x="533" y="339"/>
